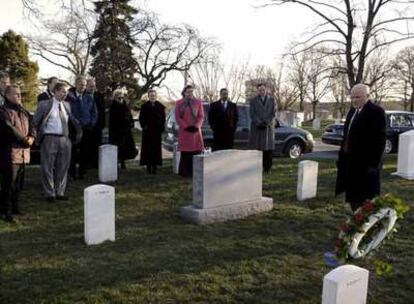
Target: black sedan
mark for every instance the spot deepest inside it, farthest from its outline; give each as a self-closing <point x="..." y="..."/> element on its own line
<point x="397" y="122"/>
<point x="289" y="141"/>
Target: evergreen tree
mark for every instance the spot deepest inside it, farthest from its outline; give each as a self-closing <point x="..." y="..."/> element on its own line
<point x="113" y="65"/>
<point x="14" y="58"/>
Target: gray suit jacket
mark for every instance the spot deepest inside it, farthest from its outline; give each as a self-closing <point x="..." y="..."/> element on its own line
<point x="262" y="128"/>
<point x="42" y="115"/>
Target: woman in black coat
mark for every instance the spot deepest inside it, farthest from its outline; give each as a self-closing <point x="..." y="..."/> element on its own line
<point x="120" y="124"/>
<point x="152" y="120"/>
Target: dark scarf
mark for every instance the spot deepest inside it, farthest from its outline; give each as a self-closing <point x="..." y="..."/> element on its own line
<point x="185" y="104"/>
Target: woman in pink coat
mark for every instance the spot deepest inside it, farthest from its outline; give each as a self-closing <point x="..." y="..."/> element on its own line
<point x="189" y="114"/>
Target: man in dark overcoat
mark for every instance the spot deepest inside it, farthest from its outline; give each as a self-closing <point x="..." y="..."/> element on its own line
<point x="223" y="118"/>
<point x="360" y="157"/>
<point x="152" y="120"/>
<point x="262" y="127"/>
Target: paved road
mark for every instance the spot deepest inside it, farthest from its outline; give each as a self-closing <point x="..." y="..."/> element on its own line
<point x="324" y="151"/>
<point x="321" y="150"/>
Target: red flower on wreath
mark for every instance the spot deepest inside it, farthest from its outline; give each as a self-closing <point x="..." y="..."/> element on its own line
<point x="339" y="243"/>
<point x="359" y="217"/>
<point x="346" y="228"/>
<point x="368" y="206"/>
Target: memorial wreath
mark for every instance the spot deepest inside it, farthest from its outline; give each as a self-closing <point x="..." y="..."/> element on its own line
<point x="374" y="221"/>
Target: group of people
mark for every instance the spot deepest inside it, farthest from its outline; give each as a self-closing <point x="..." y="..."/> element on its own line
<point x="359" y="159"/>
<point x="223" y="118"/>
<point x="68" y="124"/>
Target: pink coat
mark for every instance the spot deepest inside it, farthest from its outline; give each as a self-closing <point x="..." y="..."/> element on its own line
<point x="190" y="141"/>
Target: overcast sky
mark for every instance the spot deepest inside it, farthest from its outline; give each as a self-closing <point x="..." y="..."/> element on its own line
<point x="244" y="31"/>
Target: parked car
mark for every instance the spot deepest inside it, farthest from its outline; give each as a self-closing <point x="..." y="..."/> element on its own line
<point x="289" y="141"/>
<point x="397" y="122"/>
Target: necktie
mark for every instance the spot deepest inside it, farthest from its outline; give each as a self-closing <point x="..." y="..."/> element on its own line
<point x="352" y="119"/>
<point x="346" y="142"/>
<point x="63" y="120"/>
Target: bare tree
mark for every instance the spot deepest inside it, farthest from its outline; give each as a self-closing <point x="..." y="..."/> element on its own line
<point x="66" y="42"/>
<point x="403" y="66"/>
<point x="378" y="76"/>
<point x="212" y="75"/>
<point x="319" y="75"/>
<point x="355" y="29"/>
<point x="234" y="77"/>
<point x="339" y="87"/>
<point x="163" y="48"/>
<point x="298" y="67"/>
<point x="206" y="76"/>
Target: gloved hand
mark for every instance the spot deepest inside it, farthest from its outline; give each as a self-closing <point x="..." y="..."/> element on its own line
<point x="191" y="129"/>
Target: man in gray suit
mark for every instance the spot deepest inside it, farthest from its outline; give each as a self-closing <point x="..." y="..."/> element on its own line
<point x="262" y="128"/>
<point x="52" y="121"/>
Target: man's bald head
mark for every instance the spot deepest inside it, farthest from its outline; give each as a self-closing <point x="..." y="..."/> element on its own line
<point x="359" y="95"/>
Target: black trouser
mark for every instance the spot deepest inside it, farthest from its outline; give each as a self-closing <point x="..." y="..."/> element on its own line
<point x="96" y="139"/>
<point x="82" y="153"/>
<point x="152" y="169"/>
<point x="186" y="163"/>
<point x="267" y="160"/>
<point x="11" y="185"/>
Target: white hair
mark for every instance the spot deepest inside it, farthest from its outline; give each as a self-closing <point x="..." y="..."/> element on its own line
<point x="361" y="87"/>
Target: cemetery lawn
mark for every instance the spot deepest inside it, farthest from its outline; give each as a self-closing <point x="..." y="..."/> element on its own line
<point x="274" y="257"/>
<point x="307" y="125"/>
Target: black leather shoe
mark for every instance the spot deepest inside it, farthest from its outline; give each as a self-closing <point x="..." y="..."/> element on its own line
<point x="9" y="218"/>
<point x="50" y="199"/>
<point x="62" y="198"/>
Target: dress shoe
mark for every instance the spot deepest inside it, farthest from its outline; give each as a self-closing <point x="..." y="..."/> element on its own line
<point x="50" y="199"/>
<point x="9" y="218"/>
<point x="62" y="198"/>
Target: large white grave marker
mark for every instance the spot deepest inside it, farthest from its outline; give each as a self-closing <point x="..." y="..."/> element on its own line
<point x="347" y="284"/>
<point x="108" y="163"/>
<point x="226" y="185"/>
<point x="99" y="213"/>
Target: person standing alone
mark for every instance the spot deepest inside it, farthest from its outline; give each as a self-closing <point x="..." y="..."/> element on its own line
<point x="223" y="118"/>
<point x="262" y="128"/>
<point x="152" y="120"/>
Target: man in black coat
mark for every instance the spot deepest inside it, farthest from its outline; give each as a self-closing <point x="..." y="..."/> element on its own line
<point x="360" y="157"/>
<point x="99" y="99"/>
<point x="152" y="121"/>
<point x="223" y="118"/>
<point x="48" y="94"/>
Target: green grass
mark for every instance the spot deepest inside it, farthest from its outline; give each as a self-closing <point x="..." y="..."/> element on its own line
<point x="137" y="136"/>
<point x="307" y="125"/>
<point x="274" y="257"/>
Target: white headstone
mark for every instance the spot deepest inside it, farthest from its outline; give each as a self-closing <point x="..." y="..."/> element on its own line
<point x="307" y="180"/>
<point x="176" y="158"/>
<point x="108" y="163"/>
<point x="347" y="284"/>
<point x="337" y="121"/>
<point x="99" y="213"/>
<point x="300" y="117"/>
<point x="316" y="123"/>
<point x="226" y="185"/>
<point x="405" y="167"/>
